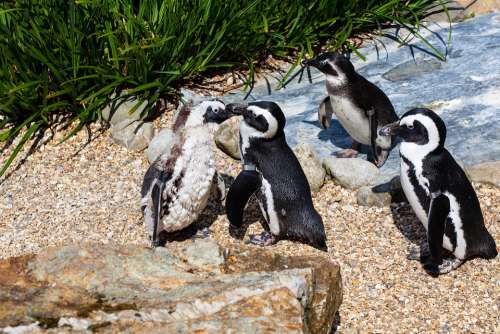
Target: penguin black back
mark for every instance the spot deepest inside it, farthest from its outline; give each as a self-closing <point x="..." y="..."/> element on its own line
<point x="284" y="191"/>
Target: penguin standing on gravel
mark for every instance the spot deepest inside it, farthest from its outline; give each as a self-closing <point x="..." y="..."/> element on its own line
<point x="177" y="185"/>
<point x="273" y="173"/>
<point x="360" y="106"/>
<point x="440" y="193"/>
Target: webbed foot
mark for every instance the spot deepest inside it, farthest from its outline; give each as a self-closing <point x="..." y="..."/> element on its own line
<point x="262" y="239"/>
<point x="447" y="266"/>
<point x="347" y="153"/>
<point x="202" y="234"/>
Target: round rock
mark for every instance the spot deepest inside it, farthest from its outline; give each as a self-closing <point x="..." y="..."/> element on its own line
<point x="352" y="173"/>
<point x="486" y="172"/>
<point x="227" y="137"/>
<point x="367" y="197"/>
<point x="134" y="136"/>
<point x="311" y="164"/>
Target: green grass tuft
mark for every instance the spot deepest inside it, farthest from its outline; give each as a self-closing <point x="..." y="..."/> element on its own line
<point x="62" y="60"/>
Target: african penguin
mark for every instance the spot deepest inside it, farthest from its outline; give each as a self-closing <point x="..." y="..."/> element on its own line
<point x="440" y="193"/>
<point x="273" y="173"/>
<point x="360" y="106"/>
<point x="177" y="185"/>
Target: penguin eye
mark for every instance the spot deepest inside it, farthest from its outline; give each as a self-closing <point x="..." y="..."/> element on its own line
<point x="410" y="127"/>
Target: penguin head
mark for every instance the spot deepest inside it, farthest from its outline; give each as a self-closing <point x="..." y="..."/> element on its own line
<point x="262" y="119"/>
<point x="337" y="68"/>
<point x="419" y="127"/>
<point x="212" y="111"/>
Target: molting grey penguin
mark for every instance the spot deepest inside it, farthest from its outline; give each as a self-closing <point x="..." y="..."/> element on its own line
<point x="271" y="170"/>
<point x="360" y="106"/>
<point x="440" y="193"/>
<point x="177" y="185"/>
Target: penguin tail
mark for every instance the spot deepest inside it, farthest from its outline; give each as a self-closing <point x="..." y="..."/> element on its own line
<point x="487" y="248"/>
<point x="312" y="232"/>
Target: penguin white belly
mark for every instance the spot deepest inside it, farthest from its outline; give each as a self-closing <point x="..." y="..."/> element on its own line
<point x="196" y="169"/>
<point x="411" y="194"/>
<point x="352" y="119"/>
<point x="454" y="215"/>
<point x="422" y="215"/>
<point x="270" y="212"/>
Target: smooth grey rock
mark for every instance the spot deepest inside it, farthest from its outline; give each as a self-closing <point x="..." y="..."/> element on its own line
<point x="227" y="137"/>
<point x="486" y="172"/>
<point x="118" y="111"/>
<point x="352" y="173"/>
<point x="311" y="164"/>
<point x="186" y="286"/>
<point x="134" y="136"/>
<point x="161" y="143"/>
<point x="366" y="197"/>
<point x="189" y="95"/>
<point x="411" y="69"/>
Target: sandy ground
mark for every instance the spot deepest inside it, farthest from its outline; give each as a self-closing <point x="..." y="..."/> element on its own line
<point x="60" y="196"/>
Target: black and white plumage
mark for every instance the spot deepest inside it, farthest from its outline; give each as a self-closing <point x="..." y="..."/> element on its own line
<point x="177" y="185"/>
<point x="273" y="173"/>
<point x="360" y="106"/>
<point x="440" y="193"/>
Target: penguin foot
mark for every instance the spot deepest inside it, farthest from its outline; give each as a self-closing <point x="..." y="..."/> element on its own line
<point x="161" y="240"/>
<point x="202" y="234"/>
<point x="263" y="239"/>
<point x="347" y="153"/>
<point x="447" y="266"/>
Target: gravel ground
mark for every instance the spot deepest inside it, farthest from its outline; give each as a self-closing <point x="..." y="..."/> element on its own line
<point x="60" y="196"/>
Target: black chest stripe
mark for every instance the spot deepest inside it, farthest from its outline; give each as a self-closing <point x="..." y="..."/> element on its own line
<point x="417" y="188"/>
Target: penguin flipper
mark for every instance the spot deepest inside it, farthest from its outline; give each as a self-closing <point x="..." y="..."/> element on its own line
<point x="438" y="212"/>
<point x="157" y="206"/>
<point x="325" y="113"/>
<point x="379" y="154"/>
<point x="246" y="183"/>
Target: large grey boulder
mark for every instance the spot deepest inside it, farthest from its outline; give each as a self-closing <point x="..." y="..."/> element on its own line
<point x="134" y="136"/>
<point x="128" y="129"/>
<point x="352" y="173"/>
<point x="311" y="164"/>
<point x="161" y="143"/>
<point x="184" y="288"/>
<point x="486" y="172"/>
<point x="227" y="137"/>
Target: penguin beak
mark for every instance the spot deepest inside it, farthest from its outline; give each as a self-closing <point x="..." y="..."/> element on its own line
<point x="310" y="62"/>
<point x="391" y="129"/>
<point x="236" y="108"/>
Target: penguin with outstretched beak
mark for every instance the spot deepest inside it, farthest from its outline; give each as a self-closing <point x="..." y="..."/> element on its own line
<point x="360" y="106"/>
<point x="177" y="185"/>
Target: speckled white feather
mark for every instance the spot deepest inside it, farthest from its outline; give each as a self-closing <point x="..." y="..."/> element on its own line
<point x="197" y="162"/>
